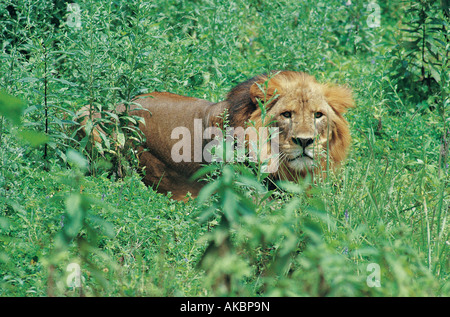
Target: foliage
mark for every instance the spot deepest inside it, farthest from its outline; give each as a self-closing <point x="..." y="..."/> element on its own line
<point x="421" y="58"/>
<point x="382" y="219"/>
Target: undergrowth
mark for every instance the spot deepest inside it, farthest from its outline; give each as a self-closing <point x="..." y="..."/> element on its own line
<point x="76" y="220"/>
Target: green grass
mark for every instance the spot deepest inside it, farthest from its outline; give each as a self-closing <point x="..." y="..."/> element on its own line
<point x="387" y="208"/>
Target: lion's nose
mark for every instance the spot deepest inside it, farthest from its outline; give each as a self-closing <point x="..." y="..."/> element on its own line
<point x="304" y="143"/>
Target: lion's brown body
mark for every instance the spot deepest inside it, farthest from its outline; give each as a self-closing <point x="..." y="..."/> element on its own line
<point x="308" y="114"/>
<point x="168" y="111"/>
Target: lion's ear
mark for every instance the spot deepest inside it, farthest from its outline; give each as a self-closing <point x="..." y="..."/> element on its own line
<point x="264" y="91"/>
<point x="339" y="98"/>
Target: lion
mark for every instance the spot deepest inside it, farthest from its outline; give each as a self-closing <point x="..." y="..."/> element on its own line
<point x="313" y="133"/>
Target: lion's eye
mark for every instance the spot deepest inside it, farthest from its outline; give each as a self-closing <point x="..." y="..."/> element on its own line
<point x="286" y="114"/>
<point x="318" y="114"/>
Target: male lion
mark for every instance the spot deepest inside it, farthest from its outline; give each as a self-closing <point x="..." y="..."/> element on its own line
<point x="312" y="130"/>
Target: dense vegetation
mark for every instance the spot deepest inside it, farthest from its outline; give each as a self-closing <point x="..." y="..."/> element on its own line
<point x="378" y="228"/>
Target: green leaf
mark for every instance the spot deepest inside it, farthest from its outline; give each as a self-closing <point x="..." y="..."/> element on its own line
<point x="207" y="191"/>
<point x="77" y="159"/>
<point x="411" y="44"/>
<point x="252" y="182"/>
<point x="34" y="138"/>
<point x="203" y="171"/>
<point x="11" y="107"/>
<point x="131" y="119"/>
<point x="112" y="115"/>
<point x="292" y="205"/>
<point x="105" y="140"/>
<point x="75" y="215"/>
<point x="121" y="138"/>
<point x="88" y="127"/>
<point x="435" y="74"/>
<point x="230" y="205"/>
<point x="314" y="231"/>
<point x="294" y="188"/>
<point x="65" y="82"/>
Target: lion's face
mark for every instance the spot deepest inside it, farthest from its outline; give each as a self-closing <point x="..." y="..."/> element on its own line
<point x="303" y="117"/>
<point x="309" y="117"/>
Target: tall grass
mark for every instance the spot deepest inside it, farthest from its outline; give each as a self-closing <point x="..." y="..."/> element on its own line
<point x="379" y="227"/>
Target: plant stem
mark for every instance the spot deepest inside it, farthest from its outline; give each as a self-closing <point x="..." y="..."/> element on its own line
<point x="45" y="100"/>
<point x="423" y="41"/>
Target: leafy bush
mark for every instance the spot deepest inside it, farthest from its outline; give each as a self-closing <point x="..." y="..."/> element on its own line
<point x="377" y="228"/>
